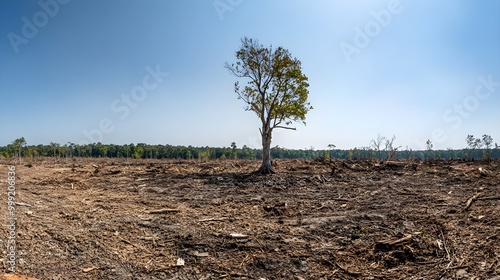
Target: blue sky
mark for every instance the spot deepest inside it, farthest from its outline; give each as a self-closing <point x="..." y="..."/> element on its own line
<point x="152" y="71"/>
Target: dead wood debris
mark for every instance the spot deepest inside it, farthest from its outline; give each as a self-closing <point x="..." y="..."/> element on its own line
<point x="389" y="242"/>
<point x="471" y="200"/>
<point x="213" y="219"/>
<point x="163" y="211"/>
<point x="152" y="219"/>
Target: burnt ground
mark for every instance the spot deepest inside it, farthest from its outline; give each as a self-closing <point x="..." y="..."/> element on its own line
<point x="113" y="219"/>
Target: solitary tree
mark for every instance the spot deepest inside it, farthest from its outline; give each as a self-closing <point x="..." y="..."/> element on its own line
<point x="390" y="149"/>
<point x="331" y="147"/>
<point x="233" y="150"/>
<point x="19" y="144"/>
<point x="276" y="90"/>
<point x="54" y="146"/>
<point x="478" y="144"/>
<point x="471" y="142"/>
<point x="487" y="142"/>
<point x="71" y="147"/>
<point x="377" y="145"/>
<point x="429" y="148"/>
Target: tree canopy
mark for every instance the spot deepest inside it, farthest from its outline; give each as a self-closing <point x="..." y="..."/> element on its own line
<point x="277" y="89"/>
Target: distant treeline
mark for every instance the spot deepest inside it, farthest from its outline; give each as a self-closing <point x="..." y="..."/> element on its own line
<point x="144" y="151"/>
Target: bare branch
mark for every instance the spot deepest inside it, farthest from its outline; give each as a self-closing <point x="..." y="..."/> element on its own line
<point x="285" y="127"/>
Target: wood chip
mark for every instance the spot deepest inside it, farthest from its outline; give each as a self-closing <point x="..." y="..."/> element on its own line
<point x="470" y="200"/>
<point x="237" y="235"/>
<point x="387" y="244"/>
<point x="198" y="254"/>
<point x="89" y="269"/>
<point x="22" y="204"/>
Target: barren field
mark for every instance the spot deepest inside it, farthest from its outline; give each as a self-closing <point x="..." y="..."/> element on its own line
<point x="113" y="219"/>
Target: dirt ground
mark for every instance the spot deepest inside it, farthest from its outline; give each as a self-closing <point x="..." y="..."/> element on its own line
<point x="314" y="219"/>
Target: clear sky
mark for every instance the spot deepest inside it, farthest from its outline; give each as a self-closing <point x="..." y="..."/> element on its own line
<point x="130" y="71"/>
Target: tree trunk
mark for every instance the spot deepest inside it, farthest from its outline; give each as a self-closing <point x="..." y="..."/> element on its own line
<point x="266" y="167"/>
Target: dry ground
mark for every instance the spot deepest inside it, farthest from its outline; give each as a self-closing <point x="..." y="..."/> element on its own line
<point x="112" y="219"/>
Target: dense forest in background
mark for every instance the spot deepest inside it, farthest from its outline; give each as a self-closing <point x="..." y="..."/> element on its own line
<point x="143" y="151"/>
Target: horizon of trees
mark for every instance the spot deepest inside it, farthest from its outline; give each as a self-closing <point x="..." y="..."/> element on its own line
<point x="380" y="149"/>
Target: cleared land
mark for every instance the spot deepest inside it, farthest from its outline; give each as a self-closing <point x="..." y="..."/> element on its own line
<point x="112" y="219"/>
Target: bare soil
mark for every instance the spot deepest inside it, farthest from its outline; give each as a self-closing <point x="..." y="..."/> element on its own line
<point x="118" y="219"/>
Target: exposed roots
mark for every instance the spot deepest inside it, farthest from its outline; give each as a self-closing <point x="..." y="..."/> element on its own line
<point x="265" y="169"/>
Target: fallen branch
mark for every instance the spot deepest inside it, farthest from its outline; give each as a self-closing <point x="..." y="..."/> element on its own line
<point x="470" y="200"/>
<point x="341" y="199"/>
<point x="237" y="235"/>
<point x="489" y="198"/>
<point x="146" y="238"/>
<point x="458" y="267"/>
<point x="213" y="219"/>
<point x="426" y="262"/>
<point x="86" y="270"/>
<point x="350" y="272"/>
<point x="22" y="204"/>
<point x="130" y="243"/>
<point x="446" y="247"/>
<point x="336" y="264"/>
<point x="353" y="167"/>
<point x="386" y="244"/>
<point x="404" y="192"/>
<point x="401" y="240"/>
<point x="198" y="254"/>
<point x="483" y="172"/>
<point x="163" y="211"/>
